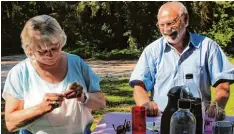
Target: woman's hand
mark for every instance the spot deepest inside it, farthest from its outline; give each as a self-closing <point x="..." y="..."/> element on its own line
<point x="75" y="90"/>
<point x="93" y="101"/>
<point x="51" y="101"/>
<point x="16" y="116"/>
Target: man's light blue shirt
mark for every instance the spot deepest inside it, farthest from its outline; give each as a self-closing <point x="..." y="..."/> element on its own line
<point x="160" y="67"/>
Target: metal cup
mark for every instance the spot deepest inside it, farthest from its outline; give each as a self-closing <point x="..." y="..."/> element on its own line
<point x="222" y="127"/>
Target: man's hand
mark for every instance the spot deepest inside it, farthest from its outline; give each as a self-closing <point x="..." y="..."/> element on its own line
<point x="151" y="108"/>
<point x="142" y="99"/>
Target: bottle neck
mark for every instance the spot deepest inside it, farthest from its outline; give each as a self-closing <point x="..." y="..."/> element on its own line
<point x="195" y="89"/>
<point x="183" y="109"/>
<point x="188" y="80"/>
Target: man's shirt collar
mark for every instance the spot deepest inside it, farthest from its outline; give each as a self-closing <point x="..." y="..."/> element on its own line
<point x="194" y="40"/>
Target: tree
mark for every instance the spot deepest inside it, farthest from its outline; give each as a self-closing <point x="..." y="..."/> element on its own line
<point x="98" y="28"/>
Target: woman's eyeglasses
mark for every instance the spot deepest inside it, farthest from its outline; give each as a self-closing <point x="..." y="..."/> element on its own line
<point x="53" y="49"/>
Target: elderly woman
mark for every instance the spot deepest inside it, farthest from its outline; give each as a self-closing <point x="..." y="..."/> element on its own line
<point x="51" y="92"/>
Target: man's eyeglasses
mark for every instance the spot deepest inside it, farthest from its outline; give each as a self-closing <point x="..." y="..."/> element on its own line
<point x="122" y="129"/>
<point x="169" y="24"/>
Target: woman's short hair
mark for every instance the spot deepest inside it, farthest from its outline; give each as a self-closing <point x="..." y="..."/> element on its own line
<point x="49" y="29"/>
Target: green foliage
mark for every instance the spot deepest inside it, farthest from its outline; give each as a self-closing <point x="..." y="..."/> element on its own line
<point x="200" y="13"/>
<point x="94" y="28"/>
<point x="223" y="30"/>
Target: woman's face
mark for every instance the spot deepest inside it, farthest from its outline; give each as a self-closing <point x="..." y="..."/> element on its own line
<point x="44" y="50"/>
<point x="48" y="54"/>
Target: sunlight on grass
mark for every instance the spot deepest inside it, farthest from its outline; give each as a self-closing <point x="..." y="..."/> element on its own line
<point x="118" y="96"/>
<point x="117" y="100"/>
<point x="231" y="59"/>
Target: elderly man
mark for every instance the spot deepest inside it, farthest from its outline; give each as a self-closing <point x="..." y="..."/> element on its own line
<point x="163" y="63"/>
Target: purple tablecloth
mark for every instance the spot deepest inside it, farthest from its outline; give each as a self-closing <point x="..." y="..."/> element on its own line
<point x="117" y="118"/>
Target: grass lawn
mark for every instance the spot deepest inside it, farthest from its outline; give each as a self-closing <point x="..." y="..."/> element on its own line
<point x="231" y="60"/>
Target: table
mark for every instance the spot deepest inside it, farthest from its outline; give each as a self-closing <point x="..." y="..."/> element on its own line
<point x="117" y="118"/>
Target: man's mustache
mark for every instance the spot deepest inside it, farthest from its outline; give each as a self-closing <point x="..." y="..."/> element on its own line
<point x="170" y="34"/>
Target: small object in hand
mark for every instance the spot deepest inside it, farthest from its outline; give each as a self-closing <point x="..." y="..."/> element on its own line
<point x="77" y="87"/>
<point x="54" y="104"/>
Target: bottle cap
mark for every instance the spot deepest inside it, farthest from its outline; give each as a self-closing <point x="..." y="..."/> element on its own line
<point x="184" y="103"/>
<point x="189" y="76"/>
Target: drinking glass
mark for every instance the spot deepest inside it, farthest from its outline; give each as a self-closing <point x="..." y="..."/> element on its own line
<point x="223" y="127"/>
<point x="209" y="112"/>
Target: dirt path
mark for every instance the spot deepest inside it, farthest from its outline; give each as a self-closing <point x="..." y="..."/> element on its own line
<point x="106" y="69"/>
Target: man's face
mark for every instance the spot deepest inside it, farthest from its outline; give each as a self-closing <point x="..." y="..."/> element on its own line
<point x="172" y="26"/>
